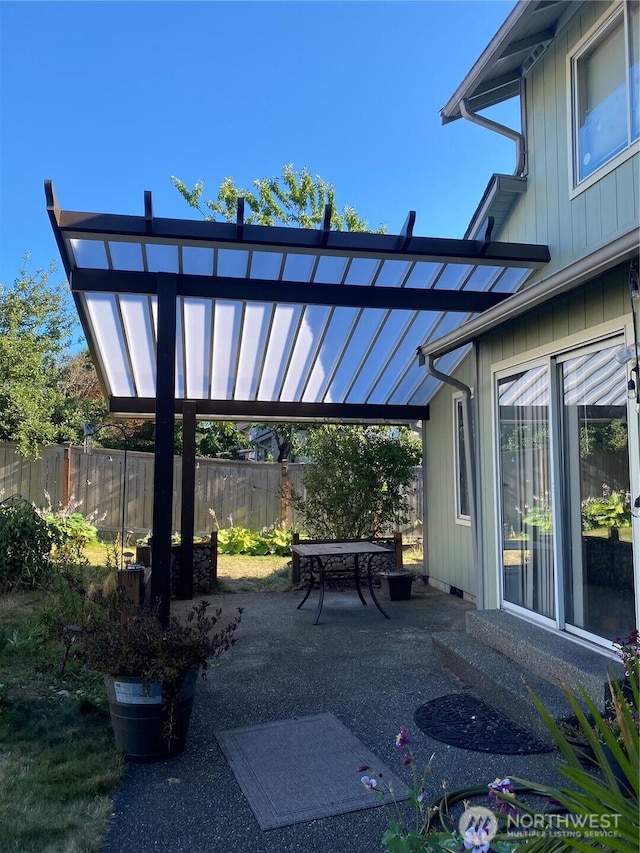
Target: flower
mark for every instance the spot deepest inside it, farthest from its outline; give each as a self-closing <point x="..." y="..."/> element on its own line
<point x="476" y="839"/>
<point x="498" y="791"/>
<point x="397" y="828"/>
<point x="402" y="739"/>
<point x="629" y="653"/>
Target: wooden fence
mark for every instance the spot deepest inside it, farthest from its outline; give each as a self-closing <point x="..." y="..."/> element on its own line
<point x="248" y="494"/>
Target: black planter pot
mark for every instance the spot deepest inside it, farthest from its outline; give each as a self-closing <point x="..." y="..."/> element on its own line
<point x="396" y="586"/>
<point x="139" y="718"/>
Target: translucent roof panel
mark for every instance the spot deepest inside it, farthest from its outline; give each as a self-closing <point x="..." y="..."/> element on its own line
<point x="304" y="350"/>
<point x="162" y="258"/>
<point x="137" y="321"/>
<point x="298" y="267"/>
<point x="362" y="270"/>
<point x="90" y="253"/>
<point x="197" y="261"/>
<point x="256" y="321"/>
<point x="392" y="273"/>
<point x="266" y="265"/>
<point x="126" y="256"/>
<point x="198" y="329"/>
<point x="226" y="333"/>
<point x="102" y="310"/>
<point x="330" y="269"/>
<point x="233" y="263"/>
<point x="271" y="321"/>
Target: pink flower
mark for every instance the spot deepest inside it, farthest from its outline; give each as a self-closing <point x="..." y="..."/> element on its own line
<point x="402" y="739"/>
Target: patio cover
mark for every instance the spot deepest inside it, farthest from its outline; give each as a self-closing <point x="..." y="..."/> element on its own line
<point x="275" y="323"/>
<point x="230" y="321"/>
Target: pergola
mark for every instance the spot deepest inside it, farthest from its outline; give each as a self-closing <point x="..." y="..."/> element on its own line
<point x="209" y="320"/>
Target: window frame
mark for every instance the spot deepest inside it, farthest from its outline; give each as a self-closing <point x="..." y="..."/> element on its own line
<point x="598" y="32"/>
<point x="458" y="429"/>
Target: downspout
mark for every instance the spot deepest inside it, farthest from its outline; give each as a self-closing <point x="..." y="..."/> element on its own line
<point x="469" y="450"/>
<point x="489" y="124"/>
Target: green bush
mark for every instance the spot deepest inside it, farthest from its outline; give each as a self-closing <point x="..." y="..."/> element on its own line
<point x="241" y="540"/>
<point x="357" y="486"/>
<point x="26" y="540"/>
<point x="73" y="531"/>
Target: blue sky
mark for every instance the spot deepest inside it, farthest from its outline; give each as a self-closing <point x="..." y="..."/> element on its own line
<point x="112" y="98"/>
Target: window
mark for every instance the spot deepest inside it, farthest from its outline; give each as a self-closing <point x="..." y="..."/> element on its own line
<point x="462" y="482"/>
<point x="605" y="91"/>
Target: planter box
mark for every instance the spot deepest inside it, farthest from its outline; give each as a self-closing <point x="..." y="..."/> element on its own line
<point x="396" y="586"/>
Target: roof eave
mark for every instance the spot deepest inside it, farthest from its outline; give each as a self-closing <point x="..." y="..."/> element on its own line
<point x="451" y="110"/>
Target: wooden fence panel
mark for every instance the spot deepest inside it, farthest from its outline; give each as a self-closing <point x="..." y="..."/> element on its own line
<point x="247" y="494"/>
<point x="32" y="478"/>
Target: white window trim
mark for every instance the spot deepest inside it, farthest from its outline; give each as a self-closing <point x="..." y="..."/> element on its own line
<point x="576" y="186"/>
<point x="463" y="520"/>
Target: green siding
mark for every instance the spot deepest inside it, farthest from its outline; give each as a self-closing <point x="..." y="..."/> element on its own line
<point x="609" y="208"/>
<point x="447" y="544"/>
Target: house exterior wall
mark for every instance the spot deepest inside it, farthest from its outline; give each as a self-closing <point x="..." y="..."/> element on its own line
<point x="600" y="308"/>
<point x="447" y="542"/>
<point x="546" y="213"/>
<point x="574" y="223"/>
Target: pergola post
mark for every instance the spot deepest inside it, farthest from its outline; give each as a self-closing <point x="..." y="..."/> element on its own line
<point x="185" y="587"/>
<point x="164" y="445"/>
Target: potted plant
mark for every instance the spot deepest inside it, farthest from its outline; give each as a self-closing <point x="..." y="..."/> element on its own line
<point x="151" y="671"/>
<point x="396" y="584"/>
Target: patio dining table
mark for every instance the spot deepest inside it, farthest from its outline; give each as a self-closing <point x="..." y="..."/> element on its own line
<point x="319" y="552"/>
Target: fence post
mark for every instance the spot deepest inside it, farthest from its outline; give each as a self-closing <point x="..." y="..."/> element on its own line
<point x="397" y="542"/>
<point x="213" y="570"/>
<point x="66" y="475"/>
<point x="284" y="493"/>
<point x="295" y="560"/>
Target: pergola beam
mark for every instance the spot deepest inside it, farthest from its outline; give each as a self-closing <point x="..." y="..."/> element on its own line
<point x="277" y="411"/>
<point x="296" y="292"/>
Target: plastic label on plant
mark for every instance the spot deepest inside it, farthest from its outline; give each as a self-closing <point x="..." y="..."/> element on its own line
<point x="132" y="693"/>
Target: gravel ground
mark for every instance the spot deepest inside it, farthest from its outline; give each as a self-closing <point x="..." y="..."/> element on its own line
<point x="370" y="672"/>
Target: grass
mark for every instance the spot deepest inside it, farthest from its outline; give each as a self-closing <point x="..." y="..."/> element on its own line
<point x="58" y="763"/>
<point x="59" y="767"/>
<point x="239" y="573"/>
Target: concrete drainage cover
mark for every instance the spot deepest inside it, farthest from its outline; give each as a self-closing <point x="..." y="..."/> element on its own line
<point x="464" y="721"/>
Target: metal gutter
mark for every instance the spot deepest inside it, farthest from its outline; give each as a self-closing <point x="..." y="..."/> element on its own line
<point x="469" y="449"/>
<point x="502" y="129"/>
<point x="563" y="281"/>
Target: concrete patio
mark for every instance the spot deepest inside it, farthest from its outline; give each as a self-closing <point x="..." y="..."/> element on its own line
<point x="371" y="673"/>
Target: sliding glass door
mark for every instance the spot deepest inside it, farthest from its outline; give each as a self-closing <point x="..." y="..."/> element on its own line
<point x="564" y="492"/>
<point x="596" y="517"/>
<point x="525" y="491"/>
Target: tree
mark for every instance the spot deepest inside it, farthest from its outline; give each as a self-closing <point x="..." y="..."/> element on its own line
<point x="355" y="486"/>
<point x="294" y="198"/>
<point x="82" y="399"/>
<point x="36" y="321"/>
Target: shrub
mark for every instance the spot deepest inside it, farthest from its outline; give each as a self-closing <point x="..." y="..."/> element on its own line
<point x="73" y="531"/>
<point x="26" y="540"/>
<point x="356" y="486"/>
<point x="241" y="540"/>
